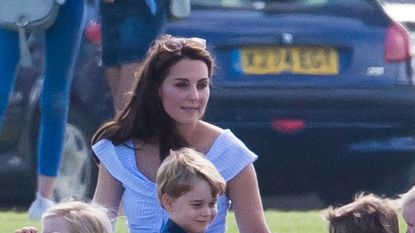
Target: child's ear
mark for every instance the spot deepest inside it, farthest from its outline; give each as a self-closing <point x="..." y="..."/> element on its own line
<point x="166" y="201"/>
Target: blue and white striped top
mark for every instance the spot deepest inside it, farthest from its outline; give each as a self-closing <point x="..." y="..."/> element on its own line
<point x="141" y="205"/>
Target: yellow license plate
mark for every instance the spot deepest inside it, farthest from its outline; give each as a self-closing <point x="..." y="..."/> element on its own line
<point x="297" y="60"/>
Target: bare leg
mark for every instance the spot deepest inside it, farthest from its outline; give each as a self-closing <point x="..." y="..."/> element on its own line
<point x="126" y="83"/>
<point x="46" y="186"/>
<point x="44" y="194"/>
<point x="113" y="76"/>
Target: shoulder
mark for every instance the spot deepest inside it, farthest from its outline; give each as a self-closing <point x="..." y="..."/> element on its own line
<point x="105" y="144"/>
<point x="218" y="138"/>
<point x="102" y="146"/>
<point x="228" y="142"/>
<point x="230" y="155"/>
<point x="105" y="148"/>
<point x="206" y="136"/>
<point x="211" y="129"/>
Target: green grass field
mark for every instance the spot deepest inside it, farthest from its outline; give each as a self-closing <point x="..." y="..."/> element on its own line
<point x="278" y="221"/>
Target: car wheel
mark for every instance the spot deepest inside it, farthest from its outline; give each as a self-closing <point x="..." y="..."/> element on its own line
<point x="77" y="176"/>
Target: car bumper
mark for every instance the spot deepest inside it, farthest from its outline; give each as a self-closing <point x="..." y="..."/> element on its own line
<point x="342" y="131"/>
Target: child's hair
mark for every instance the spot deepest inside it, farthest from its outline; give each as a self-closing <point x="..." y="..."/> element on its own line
<point x="182" y="168"/>
<point x="366" y="214"/>
<point x="407" y="199"/>
<point x="81" y="217"/>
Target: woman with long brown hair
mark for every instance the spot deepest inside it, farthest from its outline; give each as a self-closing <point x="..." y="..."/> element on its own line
<point x="165" y="112"/>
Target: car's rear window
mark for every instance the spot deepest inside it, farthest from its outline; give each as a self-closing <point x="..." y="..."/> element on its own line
<point x="297" y="3"/>
<point x="399" y="1"/>
<point x="368" y="11"/>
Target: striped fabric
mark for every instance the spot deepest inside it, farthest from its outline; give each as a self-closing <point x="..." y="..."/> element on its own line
<point x="141" y="204"/>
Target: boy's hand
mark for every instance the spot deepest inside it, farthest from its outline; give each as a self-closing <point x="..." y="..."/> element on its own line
<point x="28" y="229"/>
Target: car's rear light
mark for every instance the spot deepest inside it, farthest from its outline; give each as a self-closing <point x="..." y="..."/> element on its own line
<point x="287" y="125"/>
<point x="397" y="44"/>
<point x="93" y="32"/>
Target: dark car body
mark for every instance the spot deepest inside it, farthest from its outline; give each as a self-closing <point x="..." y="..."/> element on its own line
<point x="334" y="133"/>
<point x="334" y="114"/>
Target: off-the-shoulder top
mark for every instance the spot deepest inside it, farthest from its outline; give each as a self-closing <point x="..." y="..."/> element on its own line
<point x="141" y="205"/>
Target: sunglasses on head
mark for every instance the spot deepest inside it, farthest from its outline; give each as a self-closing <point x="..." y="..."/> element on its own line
<point x="174" y="44"/>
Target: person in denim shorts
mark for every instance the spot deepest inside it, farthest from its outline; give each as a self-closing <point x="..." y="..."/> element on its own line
<point x="62" y="41"/>
<point x="128" y="29"/>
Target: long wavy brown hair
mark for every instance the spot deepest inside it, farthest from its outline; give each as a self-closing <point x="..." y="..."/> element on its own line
<point x="144" y="116"/>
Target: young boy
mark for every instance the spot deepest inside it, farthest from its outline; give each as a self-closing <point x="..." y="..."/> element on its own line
<point x="73" y="216"/>
<point x="408" y="209"/>
<point x="366" y="214"/>
<point x="188" y="186"/>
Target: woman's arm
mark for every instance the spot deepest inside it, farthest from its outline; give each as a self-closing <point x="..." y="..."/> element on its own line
<point x="246" y="202"/>
<point x="108" y="193"/>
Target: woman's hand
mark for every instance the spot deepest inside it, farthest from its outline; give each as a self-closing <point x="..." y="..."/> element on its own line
<point x="246" y="202"/>
<point x="29" y="229"/>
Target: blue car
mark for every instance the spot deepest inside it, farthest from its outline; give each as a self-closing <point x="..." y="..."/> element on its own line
<point x="321" y="90"/>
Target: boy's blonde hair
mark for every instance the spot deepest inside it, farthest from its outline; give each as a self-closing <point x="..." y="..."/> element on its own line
<point x="182" y="168"/>
<point x="366" y="214"/>
<point x="81" y="217"/>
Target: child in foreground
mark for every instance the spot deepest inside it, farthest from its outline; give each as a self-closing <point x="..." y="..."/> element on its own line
<point x="188" y="186"/>
<point x="366" y="214"/>
<point x="73" y="217"/>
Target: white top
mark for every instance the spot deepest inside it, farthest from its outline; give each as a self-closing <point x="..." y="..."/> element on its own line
<point x="141" y="205"/>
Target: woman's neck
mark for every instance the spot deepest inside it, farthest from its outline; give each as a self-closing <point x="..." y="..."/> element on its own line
<point x="189" y="132"/>
<point x="201" y="136"/>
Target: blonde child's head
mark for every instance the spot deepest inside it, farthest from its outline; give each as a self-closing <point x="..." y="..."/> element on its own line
<point x="182" y="168"/>
<point x="188" y="188"/>
<point x="77" y="217"/>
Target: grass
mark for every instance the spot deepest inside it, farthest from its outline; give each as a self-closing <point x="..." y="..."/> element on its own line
<point x="278" y="221"/>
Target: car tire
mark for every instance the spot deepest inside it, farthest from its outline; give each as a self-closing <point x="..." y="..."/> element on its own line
<point x="78" y="172"/>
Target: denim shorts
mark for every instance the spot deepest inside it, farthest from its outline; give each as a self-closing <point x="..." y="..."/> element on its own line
<point x="126" y="38"/>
